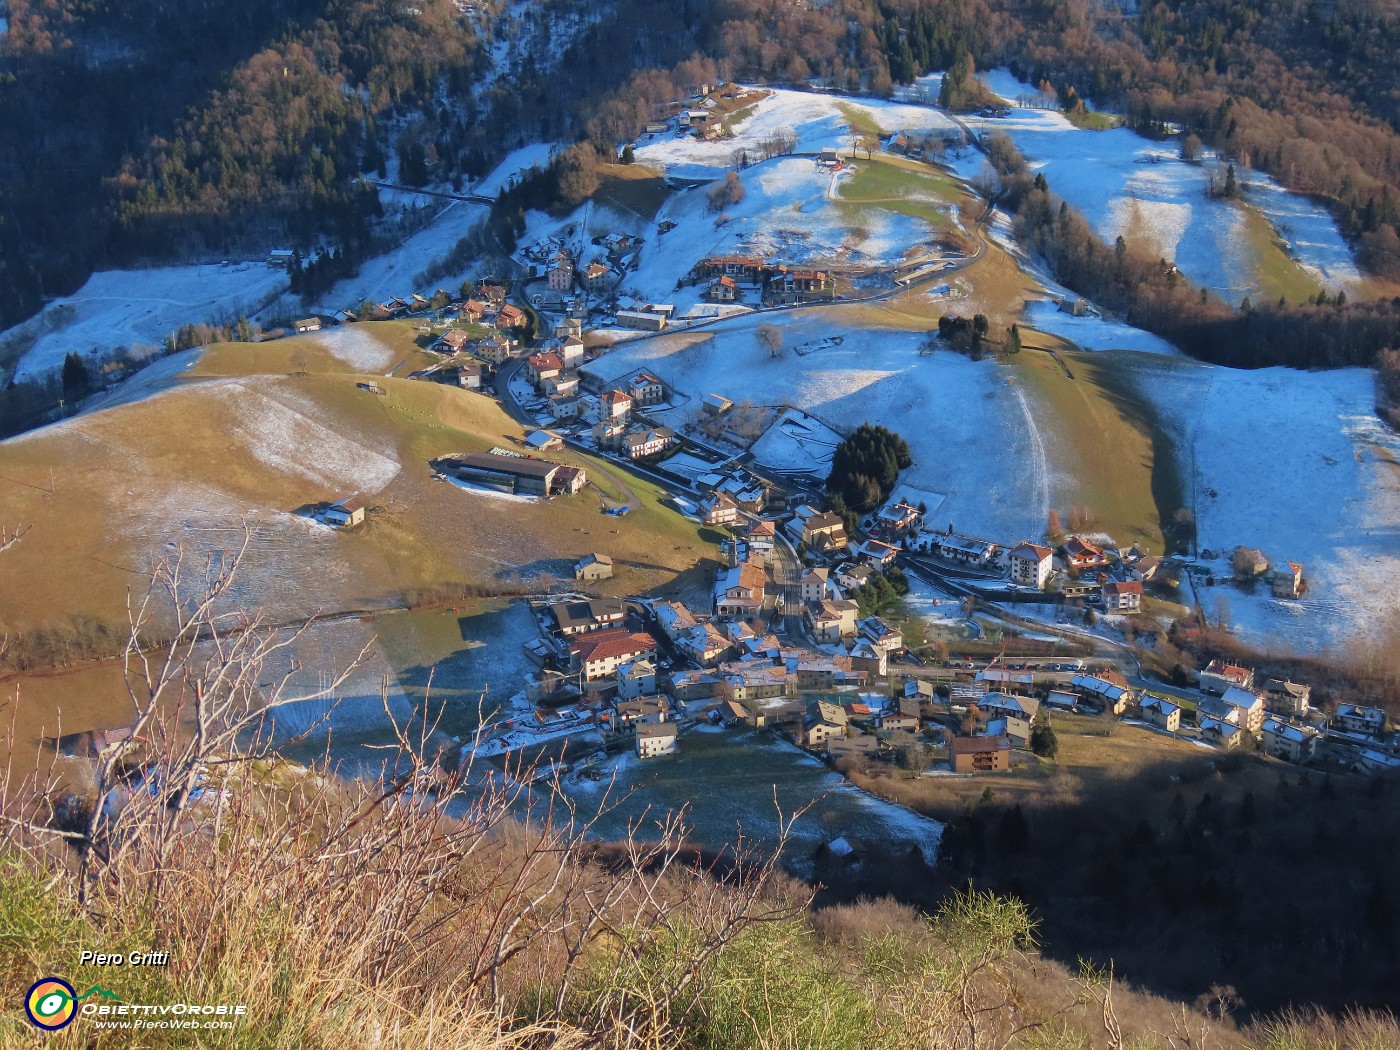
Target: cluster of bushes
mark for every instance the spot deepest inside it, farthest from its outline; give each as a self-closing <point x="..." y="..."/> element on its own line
<point x="881" y="591"/>
<point x="866" y="465"/>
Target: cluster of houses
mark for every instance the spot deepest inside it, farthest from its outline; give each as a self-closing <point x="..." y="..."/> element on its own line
<point x="729" y="278"/>
<point x="1285" y="579"/>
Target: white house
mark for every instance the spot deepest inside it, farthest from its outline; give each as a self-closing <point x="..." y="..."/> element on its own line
<point x="1031" y="564"/>
<point x="1125" y="597"/>
<point x="655" y="739"/>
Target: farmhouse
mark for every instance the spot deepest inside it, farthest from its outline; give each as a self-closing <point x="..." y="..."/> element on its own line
<point x="715" y="405"/>
<point x="1286" y="581"/>
<point x="595" y="277"/>
<point x="581" y="615"/>
<point x="308" y="324"/>
<point x="877" y="553"/>
<point x="645" y="389"/>
<point x="1287" y="741"/>
<point x="539" y="367"/>
<point x="824" y="533"/>
<point x="964" y="549"/>
<point x="642" y="320"/>
<point x="569" y="481"/>
<point x="1080" y="554"/>
<point x="1125" y="597"/>
<point x="1369" y="721"/>
<point x="593" y="567"/>
<point x="597" y="654"/>
<point x="346" y="513"/>
<point x="980" y="754"/>
<point x="1161" y="713"/>
<point x="512" y="317"/>
<point x="451" y="342"/>
<point x="616" y="405"/>
<point x="830" y="620"/>
<point x="655" y="739"/>
<point x="723" y="289"/>
<point x="1001" y="705"/>
<point x="1219" y="732"/>
<point x="1030" y="564"/>
<point x="647" y="441"/>
<point x="1248" y="563"/>
<point x="1287" y="698"/>
<point x="897" y="519"/>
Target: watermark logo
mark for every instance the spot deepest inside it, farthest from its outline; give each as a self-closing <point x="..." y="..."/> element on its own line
<point x="51" y="1003"/>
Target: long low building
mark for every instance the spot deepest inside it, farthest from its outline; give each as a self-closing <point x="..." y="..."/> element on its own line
<point x="513" y="474"/>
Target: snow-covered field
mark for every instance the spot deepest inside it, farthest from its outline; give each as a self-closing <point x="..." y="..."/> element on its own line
<point x="354" y="346"/>
<point x="1127" y="185"/>
<point x="1297" y="465"/>
<point x="971" y="438"/>
<point x="139" y="308"/>
<point x="396" y="272"/>
<point x="516" y="163"/>
<point x="289" y="436"/>
<point x="1093" y="333"/>
<point x="787" y="214"/>
<point x="816" y="120"/>
<point x="797" y="441"/>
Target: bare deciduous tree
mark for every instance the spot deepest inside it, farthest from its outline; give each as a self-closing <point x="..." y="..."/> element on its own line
<point x="770" y="337"/>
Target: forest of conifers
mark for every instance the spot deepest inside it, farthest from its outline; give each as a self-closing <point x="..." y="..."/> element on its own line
<point x="148" y="130"/>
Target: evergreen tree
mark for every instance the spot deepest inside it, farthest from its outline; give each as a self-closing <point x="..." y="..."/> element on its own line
<point x="76" y="381"/>
<point x="1043" y="741"/>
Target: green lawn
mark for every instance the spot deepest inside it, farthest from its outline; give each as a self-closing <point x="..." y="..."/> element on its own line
<point x="1275" y="271"/>
<point x="861" y="121"/>
<point x="1100" y="436"/>
<point x="905" y="190"/>
<point x="1089" y="120"/>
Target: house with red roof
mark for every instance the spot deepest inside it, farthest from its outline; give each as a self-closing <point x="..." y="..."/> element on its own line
<point x="597" y="654"/>
<point x="1124" y="597"/>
